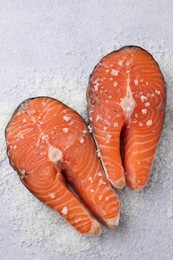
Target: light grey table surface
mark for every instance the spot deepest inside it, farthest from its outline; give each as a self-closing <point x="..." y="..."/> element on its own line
<point x="50" y="48"/>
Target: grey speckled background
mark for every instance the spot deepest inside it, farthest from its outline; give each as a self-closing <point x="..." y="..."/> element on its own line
<point x="50" y="48"/>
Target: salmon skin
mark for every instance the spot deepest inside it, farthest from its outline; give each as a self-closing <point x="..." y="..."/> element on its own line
<point x="49" y="145"/>
<point x="126" y="97"/>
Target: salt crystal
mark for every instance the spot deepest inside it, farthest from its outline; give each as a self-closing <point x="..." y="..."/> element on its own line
<point x="107" y="198"/>
<point x="24" y="120"/>
<point x="99" y="174"/>
<point x="115" y="84"/>
<point x="100" y="197"/>
<point x="120" y="63"/>
<point x="142" y="98"/>
<point x="144" y="111"/>
<point x="14" y="147"/>
<point x="90" y="179"/>
<point x="23" y="171"/>
<point x="127" y="62"/>
<point x="149" y="122"/>
<point x="52" y="195"/>
<point x="92" y="190"/>
<point x="107" y="71"/>
<point x="157" y="92"/>
<point x="115" y="124"/>
<point x="66" y="118"/>
<point x="101" y="182"/>
<point x="136" y="82"/>
<point x="81" y="140"/>
<point x="90" y="128"/>
<point x="65" y="130"/>
<point x="84" y="132"/>
<point x="65" y="210"/>
<point x="114" y="72"/>
<point x="108" y="138"/>
<point x="140" y="124"/>
<point x="96" y="87"/>
<point x="71" y="122"/>
<point x="147" y="104"/>
<point x="105" y="128"/>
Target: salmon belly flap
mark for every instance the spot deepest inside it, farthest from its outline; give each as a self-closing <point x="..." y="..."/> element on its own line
<point x="50" y="147"/>
<point x="126" y="99"/>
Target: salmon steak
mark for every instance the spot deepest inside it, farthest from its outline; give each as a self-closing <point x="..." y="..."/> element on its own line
<point x="52" y="150"/>
<point x="126" y="106"/>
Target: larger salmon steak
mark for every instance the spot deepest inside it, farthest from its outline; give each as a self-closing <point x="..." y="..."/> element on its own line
<point x="126" y="98"/>
<point x="50" y="147"/>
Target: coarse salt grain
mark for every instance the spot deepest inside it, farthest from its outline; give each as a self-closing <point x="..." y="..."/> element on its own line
<point x="52" y="195"/>
<point x="81" y="140"/>
<point x="65" y="130"/>
<point x="100" y="197"/>
<point x="144" y="111"/>
<point x="99" y="174"/>
<point x="114" y="72"/>
<point x="149" y="122"/>
<point x="115" y="84"/>
<point x="136" y="82"/>
<point x="64" y="210"/>
<point x="67" y="118"/>
<point x="147" y="104"/>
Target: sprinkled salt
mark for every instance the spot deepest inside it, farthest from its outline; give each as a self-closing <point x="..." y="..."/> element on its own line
<point x="90" y="128"/>
<point x="157" y="92"/>
<point x="107" y="198"/>
<point x="24" y="120"/>
<point x="66" y="118"/>
<point x="120" y="63"/>
<point x="84" y="132"/>
<point x="147" y="104"/>
<point x="65" y="130"/>
<point x="140" y="124"/>
<point x="115" y="84"/>
<point x="71" y="122"/>
<point x="144" y="111"/>
<point x="136" y="82"/>
<point x="115" y="124"/>
<point x="114" y="72"/>
<point x="23" y="171"/>
<point x="149" y="122"/>
<point x="143" y="98"/>
<point x="52" y="195"/>
<point x="92" y="190"/>
<point x="64" y="210"/>
<point x="108" y="138"/>
<point x="127" y="62"/>
<point x="14" y="147"/>
<point x="100" y="197"/>
<point x="99" y="174"/>
<point x="81" y="140"/>
<point x="101" y="182"/>
<point x="90" y="179"/>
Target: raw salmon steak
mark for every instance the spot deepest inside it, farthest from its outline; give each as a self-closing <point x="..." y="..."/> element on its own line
<point x="50" y="147"/>
<point x="126" y="98"/>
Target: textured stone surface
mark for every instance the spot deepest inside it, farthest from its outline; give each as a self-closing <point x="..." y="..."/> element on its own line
<point x="50" y="48"/>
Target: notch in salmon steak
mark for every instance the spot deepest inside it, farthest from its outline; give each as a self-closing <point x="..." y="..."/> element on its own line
<point x="126" y="97"/>
<point x="50" y="147"/>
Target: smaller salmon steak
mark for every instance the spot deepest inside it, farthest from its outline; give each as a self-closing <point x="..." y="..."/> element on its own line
<point x="50" y="147"/>
<point x="126" y="99"/>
